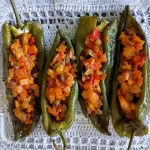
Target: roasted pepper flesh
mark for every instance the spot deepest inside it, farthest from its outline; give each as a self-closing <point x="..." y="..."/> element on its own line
<point x="60" y="76"/>
<point x="92" y="59"/>
<point x="130" y="71"/>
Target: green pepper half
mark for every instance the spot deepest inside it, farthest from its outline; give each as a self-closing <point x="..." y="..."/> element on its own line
<point x="51" y="126"/>
<point x="9" y="32"/>
<point x="122" y="125"/>
<point x="109" y="31"/>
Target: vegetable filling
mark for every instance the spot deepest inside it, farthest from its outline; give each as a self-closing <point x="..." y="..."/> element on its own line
<point x="92" y="60"/>
<point x="130" y="71"/>
<point x="21" y="76"/>
<point x="60" y="78"/>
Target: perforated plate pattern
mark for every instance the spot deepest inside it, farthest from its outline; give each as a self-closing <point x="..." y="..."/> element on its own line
<point x="63" y="14"/>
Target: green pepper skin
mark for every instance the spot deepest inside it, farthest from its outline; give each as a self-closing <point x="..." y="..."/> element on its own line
<point x="85" y="27"/>
<point x="111" y="31"/>
<point x="20" y="129"/>
<point x="122" y="125"/>
<point x="50" y="125"/>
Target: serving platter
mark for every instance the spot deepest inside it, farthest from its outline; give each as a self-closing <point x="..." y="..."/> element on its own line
<point x="64" y="14"/>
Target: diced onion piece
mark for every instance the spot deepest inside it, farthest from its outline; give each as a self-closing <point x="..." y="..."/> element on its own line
<point x="24" y="81"/>
<point x="19" y="89"/>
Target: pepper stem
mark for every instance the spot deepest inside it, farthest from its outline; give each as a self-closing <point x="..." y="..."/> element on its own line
<point x="61" y="133"/>
<point x="131" y="139"/>
<point x="19" y="22"/>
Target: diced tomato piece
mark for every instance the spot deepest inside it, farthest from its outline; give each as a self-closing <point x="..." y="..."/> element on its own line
<point x="130" y="82"/>
<point x="31" y="40"/>
<point x="50" y="94"/>
<point x="139" y="82"/>
<point x="87" y="86"/>
<point x="129" y="52"/>
<point x="135" y="89"/>
<point x="125" y="87"/>
<point x="138" y="46"/>
<point x="68" y="64"/>
<point x="69" y="80"/>
<point x="90" y="61"/>
<point x="103" y="58"/>
<point x="52" y="110"/>
<point x="32" y="49"/>
<point x="136" y="74"/>
<point x="137" y="39"/>
<point x="91" y="78"/>
<point x="90" y="45"/>
<point x="61" y="56"/>
<point x="59" y="94"/>
<point x="27" y="86"/>
<point x="21" y="73"/>
<point x="95" y="34"/>
<point x="139" y="60"/>
<point x="96" y="66"/>
<point x="124" y="39"/>
<point x="24" y="62"/>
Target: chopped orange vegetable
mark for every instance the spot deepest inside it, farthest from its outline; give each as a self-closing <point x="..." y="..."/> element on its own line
<point x="130" y="75"/>
<point x="92" y="61"/>
<point x="60" y="77"/>
<point x="124" y="39"/>
<point x="20" y="80"/>
<point x="30" y="109"/>
<point x="129" y="52"/>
